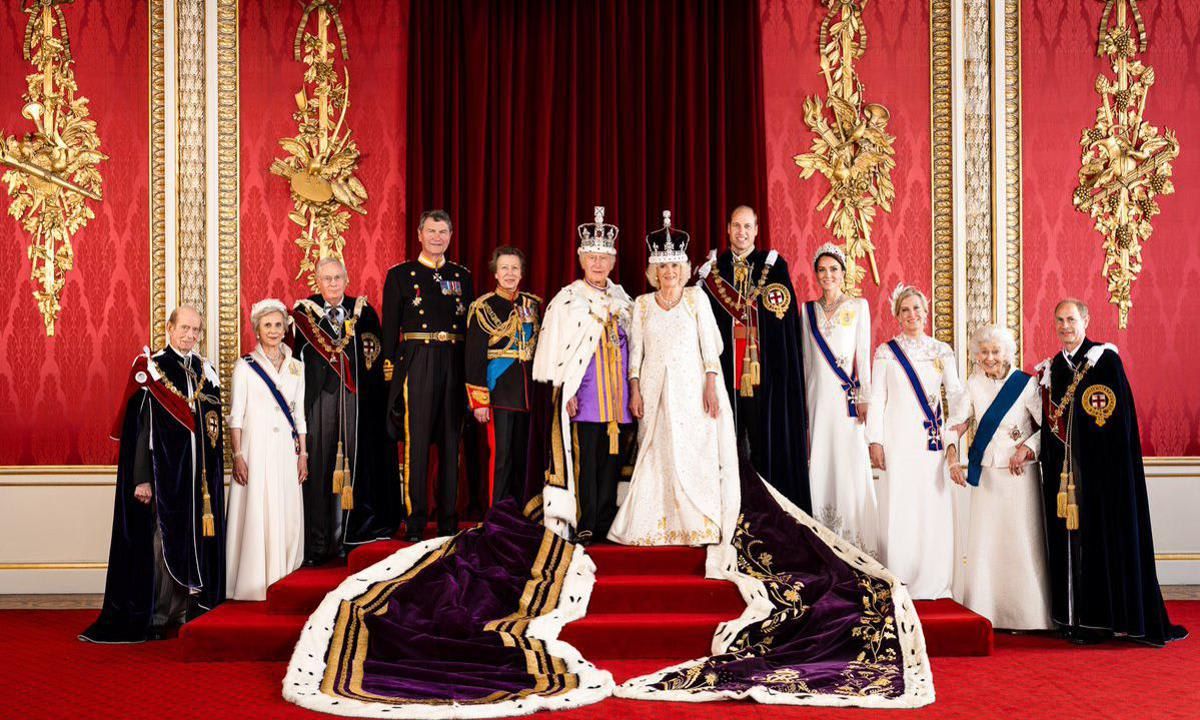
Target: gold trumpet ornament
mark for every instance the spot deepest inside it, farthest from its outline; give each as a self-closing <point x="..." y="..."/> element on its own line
<point x="1126" y="162"/>
<point x="851" y="149"/>
<point x="52" y="170"/>
<point x="322" y="158"/>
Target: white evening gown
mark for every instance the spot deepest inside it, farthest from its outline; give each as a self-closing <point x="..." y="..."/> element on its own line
<point x="264" y="537"/>
<point x="843" y="490"/>
<point x="684" y="456"/>
<point x="1004" y="567"/>
<point x="915" y="503"/>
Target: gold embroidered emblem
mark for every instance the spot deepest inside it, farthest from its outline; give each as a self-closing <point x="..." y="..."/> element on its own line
<point x="938" y="365"/>
<point x="777" y="299"/>
<point x="371" y="349"/>
<point x="1099" y="402"/>
<point x="212" y="425"/>
<point x="294" y="367"/>
<point x="846" y="318"/>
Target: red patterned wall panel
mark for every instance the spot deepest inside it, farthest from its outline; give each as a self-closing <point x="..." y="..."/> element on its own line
<point x="58" y="395"/>
<point x="377" y="34"/>
<point x="1062" y="253"/>
<point x="895" y="71"/>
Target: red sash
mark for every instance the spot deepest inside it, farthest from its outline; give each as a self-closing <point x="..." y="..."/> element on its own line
<point x="320" y="342"/>
<point x="732" y="302"/>
<point x="140" y="379"/>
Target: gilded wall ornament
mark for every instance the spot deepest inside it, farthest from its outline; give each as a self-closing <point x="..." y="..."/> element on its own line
<point x="322" y="157"/>
<point x="850" y="147"/>
<point x="1126" y="162"/>
<point x="52" y="170"/>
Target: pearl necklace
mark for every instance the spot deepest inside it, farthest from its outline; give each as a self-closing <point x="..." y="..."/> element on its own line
<point x="664" y="303"/>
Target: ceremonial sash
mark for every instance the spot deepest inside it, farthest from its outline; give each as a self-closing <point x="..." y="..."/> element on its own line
<point x="283" y="404"/>
<point x="850" y="383"/>
<point x="933" y="418"/>
<point x="322" y="344"/>
<point x="140" y="377"/>
<point x="991" y="421"/>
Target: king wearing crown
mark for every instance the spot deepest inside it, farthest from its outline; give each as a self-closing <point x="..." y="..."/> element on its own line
<point x="583" y="353"/>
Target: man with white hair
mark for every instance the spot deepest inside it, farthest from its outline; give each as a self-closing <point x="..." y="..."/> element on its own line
<point x="352" y="495"/>
<point x="166" y="561"/>
<point x="1103" y="580"/>
<point x="583" y="353"/>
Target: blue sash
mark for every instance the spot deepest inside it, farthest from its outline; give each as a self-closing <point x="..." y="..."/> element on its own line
<point x="991" y="421"/>
<point x="850" y="383"/>
<point x="283" y="405"/>
<point x="499" y="366"/>
<point x="933" y="419"/>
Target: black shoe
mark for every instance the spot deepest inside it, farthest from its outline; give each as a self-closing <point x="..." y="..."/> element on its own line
<point x="582" y="538"/>
<point x="310" y="563"/>
<point x="412" y="537"/>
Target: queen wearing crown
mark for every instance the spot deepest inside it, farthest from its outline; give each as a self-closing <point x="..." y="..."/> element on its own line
<point x="687" y="446"/>
<point x="837" y="380"/>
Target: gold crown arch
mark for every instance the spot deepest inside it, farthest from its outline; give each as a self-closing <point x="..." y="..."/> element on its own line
<point x="850" y="147"/>
<point x="1126" y="163"/>
<point x="52" y="170"/>
<point x="322" y="157"/>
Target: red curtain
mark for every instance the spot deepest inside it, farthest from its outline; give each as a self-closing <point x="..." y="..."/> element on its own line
<point x="523" y="115"/>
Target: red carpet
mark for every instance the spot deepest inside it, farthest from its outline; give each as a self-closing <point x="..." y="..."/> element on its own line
<point x="49" y="674"/>
<point x="647" y="603"/>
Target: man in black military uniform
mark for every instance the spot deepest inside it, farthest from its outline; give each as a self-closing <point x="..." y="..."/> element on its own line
<point x="338" y="338"/>
<point x="425" y="305"/>
<point x="754" y="303"/>
<point x="502" y="329"/>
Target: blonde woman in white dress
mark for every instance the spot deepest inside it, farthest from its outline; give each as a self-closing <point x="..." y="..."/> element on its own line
<point x="264" y="538"/>
<point x="1004" y="570"/>
<point x="837" y="378"/>
<point x="905" y="432"/>
<point x="687" y="452"/>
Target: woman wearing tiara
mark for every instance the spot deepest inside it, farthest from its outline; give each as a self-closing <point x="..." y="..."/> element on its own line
<point x="687" y="454"/>
<point x="837" y="378"/>
<point x="904" y="428"/>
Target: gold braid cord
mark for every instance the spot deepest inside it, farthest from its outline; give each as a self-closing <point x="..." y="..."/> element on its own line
<point x="322" y="159"/>
<point x="1126" y="163"/>
<point x="852" y="148"/>
<point x="52" y="170"/>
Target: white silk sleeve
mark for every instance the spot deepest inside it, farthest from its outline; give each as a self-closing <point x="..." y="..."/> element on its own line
<point x="636" y="330"/>
<point x="237" y="400"/>
<point x="862" y="348"/>
<point x="711" y="344"/>
<point x="878" y="397"/>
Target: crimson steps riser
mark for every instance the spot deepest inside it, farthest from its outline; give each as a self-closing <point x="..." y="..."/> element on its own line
<point x="609" y="559"/>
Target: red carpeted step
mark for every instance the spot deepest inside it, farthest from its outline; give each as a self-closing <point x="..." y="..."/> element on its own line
<point x="301" y="592"/>
<point x="240" y="631"/>
<point x="664" y="594"/>
<point x="364" y="556"/>
<point x="644" y="635"/>
<point x="953" y="630"/>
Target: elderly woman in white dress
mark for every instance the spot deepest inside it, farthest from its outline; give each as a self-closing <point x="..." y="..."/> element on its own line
<point x="905" y="431"/>
<point x="687" y="453"/>
<point x="1004" y="570"/>
<point x="265" y="532"/>
<point x="837" y="379"/>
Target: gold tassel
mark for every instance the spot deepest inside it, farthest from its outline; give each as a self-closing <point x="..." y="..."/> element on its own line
<point x="339" y="476"/>
<point x="347" y="497"/>
<point x="746" y="389"/>
<point x="208" y="526"/>
<point x="755" y="372"/>
<point x="614" y="437"/>
<point x="1062" y="494"/>
<point x="1072" y="508"/>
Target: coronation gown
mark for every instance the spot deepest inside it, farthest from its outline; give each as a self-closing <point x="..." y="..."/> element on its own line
<point x="1004" y="568"/>
<point x="265" y="535"/>
<point x="916" y="506"/>
<point x="843" y="490"/>
<point x="684" y="456"/>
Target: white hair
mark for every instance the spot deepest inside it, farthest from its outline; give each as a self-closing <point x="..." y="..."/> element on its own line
<point x="685" y="273"/>
<point x="330" y="260"/>
<point x="998" y="335"/>
<point x="262" y="308"/>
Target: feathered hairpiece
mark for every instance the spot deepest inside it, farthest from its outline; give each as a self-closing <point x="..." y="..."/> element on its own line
<point x="831" y="250"/>
<point x="902" y="290"/>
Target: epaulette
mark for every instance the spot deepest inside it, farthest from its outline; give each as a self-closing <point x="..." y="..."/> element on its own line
<point x="533" y="297"/>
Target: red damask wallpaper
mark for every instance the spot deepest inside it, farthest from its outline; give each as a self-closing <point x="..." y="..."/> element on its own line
<point x="58" y="395"/>
<point x="1160" y="348"/>
<point x="377" y="35"/>
<point x="895" y="71"/>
